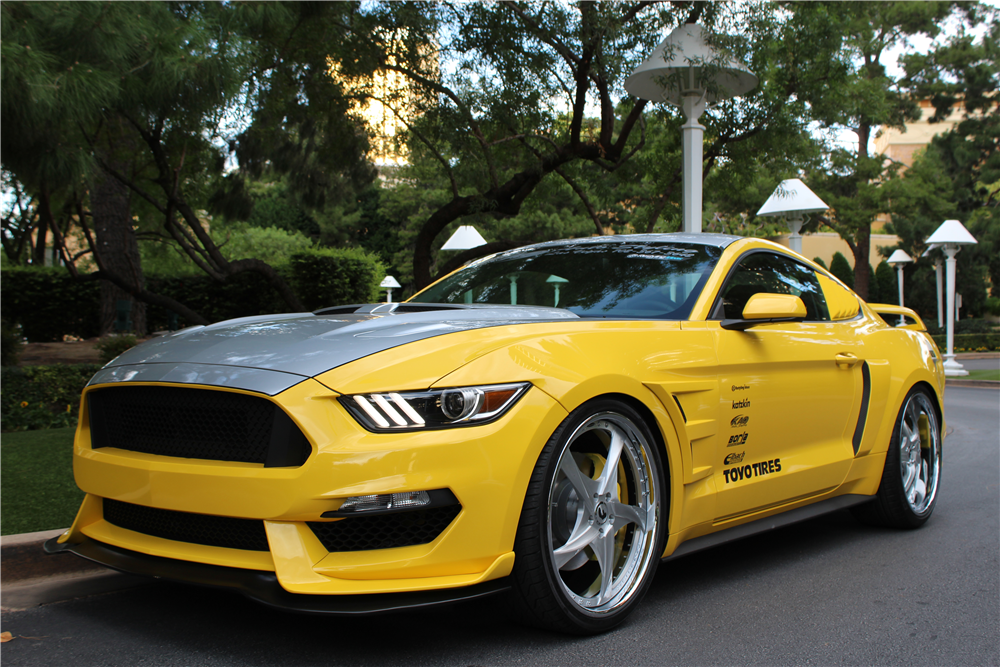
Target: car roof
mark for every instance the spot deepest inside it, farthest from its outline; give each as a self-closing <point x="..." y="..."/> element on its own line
<point x="715" y="240"/>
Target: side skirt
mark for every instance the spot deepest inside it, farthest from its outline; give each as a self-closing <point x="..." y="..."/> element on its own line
<point x="768" y="523"/>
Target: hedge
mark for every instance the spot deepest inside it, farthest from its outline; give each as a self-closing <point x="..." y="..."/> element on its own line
<point x="49" y="304"/>
<point x="36" y="397"/>
<point x="970" y="342"/>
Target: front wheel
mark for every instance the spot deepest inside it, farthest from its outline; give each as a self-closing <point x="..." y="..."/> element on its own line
<point x="912" y="473"/>
<point x="591" y="529"/>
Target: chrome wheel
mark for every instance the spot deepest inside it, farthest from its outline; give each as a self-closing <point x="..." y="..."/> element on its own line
<point x="919" y="452"/>
<point x="603" y="513"/>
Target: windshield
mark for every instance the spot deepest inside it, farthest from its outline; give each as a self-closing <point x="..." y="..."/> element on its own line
<point x="599" y="278"/>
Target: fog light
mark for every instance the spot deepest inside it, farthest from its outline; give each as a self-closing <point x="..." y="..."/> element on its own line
<point x="385" y="501"/>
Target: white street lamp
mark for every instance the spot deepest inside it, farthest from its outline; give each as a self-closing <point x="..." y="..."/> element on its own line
<point x="464" y="238"/>
<point x="898" y="259"/>
<point x="685" y="71"/>
<point x="949" y="236"/>
<point x="793" y="199"/>
<point x="389" y="283"/>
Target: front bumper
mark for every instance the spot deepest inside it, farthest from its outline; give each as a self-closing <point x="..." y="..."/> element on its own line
<point x="263" y="586"/>
<point x="486" y="468"/>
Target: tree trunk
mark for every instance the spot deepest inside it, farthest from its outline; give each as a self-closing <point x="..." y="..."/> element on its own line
<point x="117" y="250"/>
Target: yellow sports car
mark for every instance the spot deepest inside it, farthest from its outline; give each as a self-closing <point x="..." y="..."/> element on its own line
<point x="549" y="422"/>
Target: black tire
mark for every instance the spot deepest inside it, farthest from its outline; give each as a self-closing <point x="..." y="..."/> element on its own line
<point x="912" y="474"/>
<point x="567" y="540"/>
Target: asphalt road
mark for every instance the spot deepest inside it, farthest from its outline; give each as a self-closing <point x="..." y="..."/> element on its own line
<point x="825" y="592"/>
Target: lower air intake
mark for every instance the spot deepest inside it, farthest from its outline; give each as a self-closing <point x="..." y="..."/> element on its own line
<point x="384" y="531"/>
<point x="206" y="529"/>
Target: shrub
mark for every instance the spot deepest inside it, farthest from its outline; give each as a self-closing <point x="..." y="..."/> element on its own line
<point x="334" y="277"/>
<point x="39" y="397"/>
<point x="969" y="342"/>
<point x="888" y="284"/>
<point x="48" y="303"/>
<point x="10" y="344"/>
<point x="993" y="306"/>
<point x="111" y="346"/>
<point x="819" y="260"/>
<point x="840" y="267"/>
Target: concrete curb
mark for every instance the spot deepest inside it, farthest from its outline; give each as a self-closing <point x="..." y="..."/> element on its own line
<point x="30" y="577"/>
<point x="982" y="384"/>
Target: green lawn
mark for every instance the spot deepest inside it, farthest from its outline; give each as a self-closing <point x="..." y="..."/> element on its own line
<point x="37" y="491"/>
<point x="985" y="374"/>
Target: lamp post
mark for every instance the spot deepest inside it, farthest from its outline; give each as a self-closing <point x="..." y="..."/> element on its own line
<point x="685" y="71"/>
<point x="793" y="199"/>
<point x="389" y="283"/>
<point x="464" y="238"/>
<point x="898" y="259"/>
<point x="949" y="237"/>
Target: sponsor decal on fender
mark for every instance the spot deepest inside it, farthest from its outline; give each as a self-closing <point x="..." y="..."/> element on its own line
<point x="739" y="421"/>
<point x="733" y="458"/>
<point x="739" y="405"/>
<point x="738" y="439"/>
<point x="751" y="470"/>
<point x="740" y="387"/>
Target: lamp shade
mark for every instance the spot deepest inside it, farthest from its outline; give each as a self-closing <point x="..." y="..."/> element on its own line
<point x="684" y="63"/>
<point x="790" y="197"/>
<point x="389" y="282"/>
<point x="465" y="237"/>
<point x="951" y="232"/>
<point x="899" y="257"/>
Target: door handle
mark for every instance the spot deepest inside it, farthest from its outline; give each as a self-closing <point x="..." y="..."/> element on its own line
<point x="846" y="360"/>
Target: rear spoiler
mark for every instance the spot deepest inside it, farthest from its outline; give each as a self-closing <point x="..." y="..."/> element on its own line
<point x="898" y="316"/>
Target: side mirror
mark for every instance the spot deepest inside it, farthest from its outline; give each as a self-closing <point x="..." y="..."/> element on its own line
<point x="767" y="308"/>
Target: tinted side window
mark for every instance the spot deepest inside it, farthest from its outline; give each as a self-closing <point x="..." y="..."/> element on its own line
<point x="764" y="272"/>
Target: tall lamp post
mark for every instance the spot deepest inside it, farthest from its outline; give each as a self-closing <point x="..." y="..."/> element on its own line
<point x="950" y="236"/>
<point x="685" y="71"/>
<point x="467" y="237"/>
<point x="793" y="199"/>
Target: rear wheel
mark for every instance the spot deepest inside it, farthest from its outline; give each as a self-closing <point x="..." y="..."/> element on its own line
<point x="912" y="473"/>
<point x="591" y="529"/>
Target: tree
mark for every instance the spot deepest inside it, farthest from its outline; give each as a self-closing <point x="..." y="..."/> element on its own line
<point x="123" y="107"/>
<point x="847" y="57"/>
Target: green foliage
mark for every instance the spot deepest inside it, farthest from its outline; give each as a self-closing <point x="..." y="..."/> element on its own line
<point x="112" y="346"/>
<point x="48" y="303"/>
<point x="888" y="285"/>
<point x="281" y="244"/>
<point x="841" y="268"/>
<point x="333" y="277"/>
<point x="10" y="343"/>
<point x="36" y="481"/>
<point x="36" y="397"/>
<point x="819" y="260"/>
<point x="993" y="306"/>
<point x="981" y="342"/>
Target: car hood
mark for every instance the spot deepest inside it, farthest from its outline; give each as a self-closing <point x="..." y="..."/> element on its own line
<point x="273" y="352"/>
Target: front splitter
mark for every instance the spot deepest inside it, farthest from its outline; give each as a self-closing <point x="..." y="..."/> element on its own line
<point x="263" y="586"/>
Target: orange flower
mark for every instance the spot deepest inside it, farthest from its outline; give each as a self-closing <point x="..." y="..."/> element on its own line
<point x="24" y="404"/>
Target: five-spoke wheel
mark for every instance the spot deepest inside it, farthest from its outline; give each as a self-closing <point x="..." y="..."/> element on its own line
<point x="912" y="472"/>
<point x="591" y="529"/>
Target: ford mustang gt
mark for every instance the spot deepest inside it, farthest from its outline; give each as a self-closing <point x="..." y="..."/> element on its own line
<point x="548" y="423"/>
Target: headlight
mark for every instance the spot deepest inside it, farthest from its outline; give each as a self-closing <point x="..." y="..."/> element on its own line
<point x="438" y="408"/>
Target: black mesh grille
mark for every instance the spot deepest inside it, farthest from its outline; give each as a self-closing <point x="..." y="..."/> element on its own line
<point x="213" y="531"/>
<point x="384" y="531"/>
<point x="195" y="424"/>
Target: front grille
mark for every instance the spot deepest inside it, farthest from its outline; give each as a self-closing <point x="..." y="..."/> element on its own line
<point x="212" y="531"/>
<point x="384" y="531"/>
<point x="195" y="424"/>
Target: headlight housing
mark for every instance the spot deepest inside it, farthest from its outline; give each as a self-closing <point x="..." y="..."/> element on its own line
<point x="433" y="409"/>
